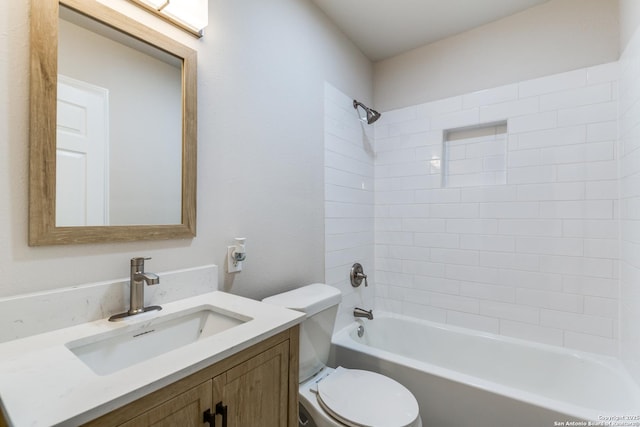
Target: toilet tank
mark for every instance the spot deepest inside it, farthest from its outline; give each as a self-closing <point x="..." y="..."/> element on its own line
<point x="320" y="304"/>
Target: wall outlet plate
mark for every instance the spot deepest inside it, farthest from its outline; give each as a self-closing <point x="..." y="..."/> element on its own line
<point x="231" y="267"/>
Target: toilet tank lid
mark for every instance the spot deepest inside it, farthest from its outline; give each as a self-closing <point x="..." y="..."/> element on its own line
<point x="310" y="299"/>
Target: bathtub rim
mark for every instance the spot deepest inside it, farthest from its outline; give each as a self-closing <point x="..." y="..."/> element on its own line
<point x="343" y="339"/>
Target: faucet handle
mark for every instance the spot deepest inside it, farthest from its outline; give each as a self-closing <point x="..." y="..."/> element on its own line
<point x="139" y="261"/>
<point x="357" y="275"/>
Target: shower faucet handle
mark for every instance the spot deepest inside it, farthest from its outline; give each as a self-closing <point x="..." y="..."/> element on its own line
<point x="357" y="275"/>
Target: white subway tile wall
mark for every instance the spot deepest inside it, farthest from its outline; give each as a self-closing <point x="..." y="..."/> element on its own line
<point x="533" y="251"/>
<point x="629" y="149"/>
<point x="349" y="201"/>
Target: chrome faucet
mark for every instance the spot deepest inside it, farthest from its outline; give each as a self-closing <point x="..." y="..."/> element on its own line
<point x="137" y="280"/>
<point x="361" y="312"/>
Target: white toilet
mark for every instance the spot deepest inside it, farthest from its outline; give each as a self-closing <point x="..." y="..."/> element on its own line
<point x="340" y="397"/>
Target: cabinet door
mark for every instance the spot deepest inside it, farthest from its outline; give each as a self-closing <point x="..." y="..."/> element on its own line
<point x="255" y="393"/>
<point x="184" y="410"/>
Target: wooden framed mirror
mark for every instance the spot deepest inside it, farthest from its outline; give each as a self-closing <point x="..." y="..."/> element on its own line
<point x="101" y="79"/>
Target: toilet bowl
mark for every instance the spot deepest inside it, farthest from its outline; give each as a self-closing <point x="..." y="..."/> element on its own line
<point x="340" y="397"/>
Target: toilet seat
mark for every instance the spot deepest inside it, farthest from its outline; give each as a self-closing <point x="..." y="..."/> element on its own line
<point x="366" y="399"/>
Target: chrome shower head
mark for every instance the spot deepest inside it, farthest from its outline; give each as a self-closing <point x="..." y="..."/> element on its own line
<point x="372" y="115"/>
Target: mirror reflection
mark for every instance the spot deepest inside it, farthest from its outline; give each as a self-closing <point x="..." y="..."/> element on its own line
<point x="119" y="128"/>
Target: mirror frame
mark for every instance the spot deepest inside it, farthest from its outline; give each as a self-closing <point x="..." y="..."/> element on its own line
<point x="42" y="129"/>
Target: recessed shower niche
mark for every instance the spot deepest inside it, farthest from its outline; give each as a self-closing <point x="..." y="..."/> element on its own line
<point x="476" y="155"/>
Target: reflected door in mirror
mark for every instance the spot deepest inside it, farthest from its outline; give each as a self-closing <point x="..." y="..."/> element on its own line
<point x="81" y="154"/>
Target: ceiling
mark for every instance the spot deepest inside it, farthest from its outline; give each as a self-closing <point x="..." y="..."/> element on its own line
<point x="385" y="28"/>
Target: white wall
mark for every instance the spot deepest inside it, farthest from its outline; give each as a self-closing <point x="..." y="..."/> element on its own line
<point x="629" y="148"/>
<point x="629" y="22"/>
<point x="261" y="73"/>
<point x="349" y="201"/>
<point x="557" y="36"/>
<point x="535" y="258"/>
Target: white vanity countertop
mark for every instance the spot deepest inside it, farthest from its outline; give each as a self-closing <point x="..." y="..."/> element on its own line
<point x="42" y="383"/>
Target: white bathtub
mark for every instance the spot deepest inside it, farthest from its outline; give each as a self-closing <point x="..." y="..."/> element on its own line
<point x="464" y="378"/>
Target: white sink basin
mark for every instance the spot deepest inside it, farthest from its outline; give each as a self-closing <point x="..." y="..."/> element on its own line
<point x="112" y="351"/>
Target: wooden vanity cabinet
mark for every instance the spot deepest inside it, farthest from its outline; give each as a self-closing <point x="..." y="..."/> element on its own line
<point x="257" y="387"/>
<point x="256" y="391"/>
<point x="186" y="409"/>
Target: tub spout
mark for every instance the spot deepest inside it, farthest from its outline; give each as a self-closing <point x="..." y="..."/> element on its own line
<point x="361" y="312"/>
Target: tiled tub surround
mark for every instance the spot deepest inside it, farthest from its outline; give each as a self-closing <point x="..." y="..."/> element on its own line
<point x="533" y="258"/>
<point x="349" y="201"/>
<point x="629" y="148"/>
